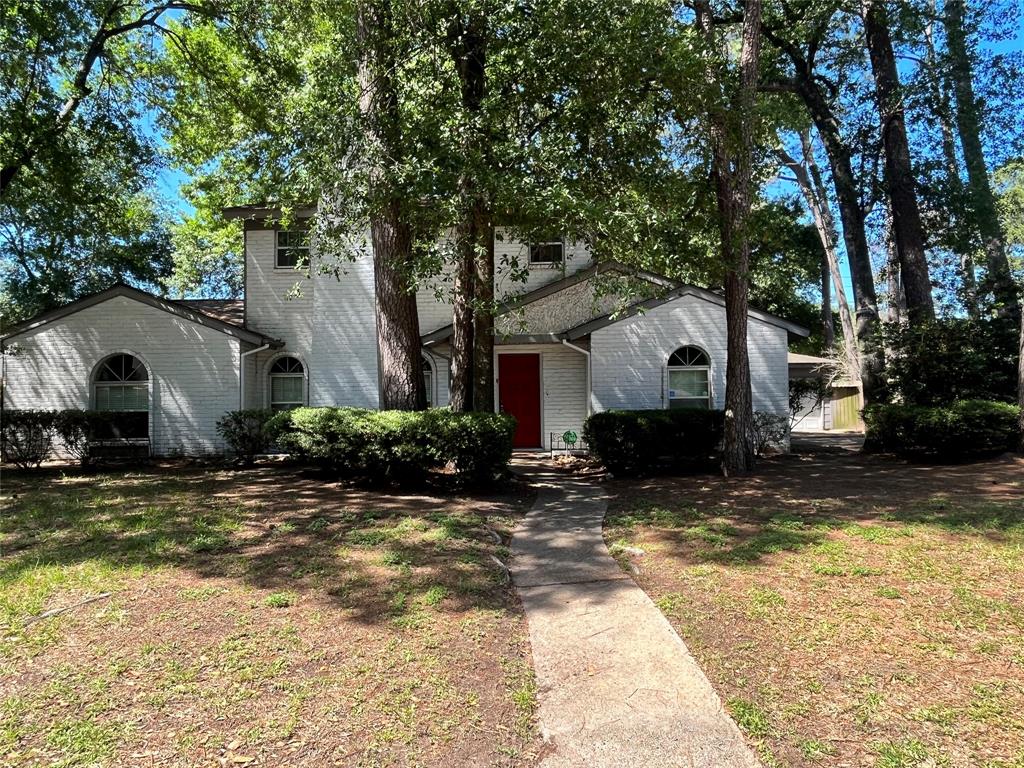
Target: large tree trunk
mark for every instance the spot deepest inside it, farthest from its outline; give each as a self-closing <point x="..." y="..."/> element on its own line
<point x="473" y="342"/>
<point x="398" y="337"/>
<point x="398" y="327"/>
<point x="462" y="326"/>
<point x="483" y="319"/>
<point x="732" y="170"/>
<point x="908" y="233"/>
<point x="854" y="235"/>
<point x="998" y="279"/>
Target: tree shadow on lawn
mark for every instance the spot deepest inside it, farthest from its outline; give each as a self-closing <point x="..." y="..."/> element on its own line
<point x="795" y="501"/>
<point x="379" y="555"/>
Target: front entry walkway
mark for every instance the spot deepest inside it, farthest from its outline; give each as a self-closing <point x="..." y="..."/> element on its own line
<point x="616" y="685"/>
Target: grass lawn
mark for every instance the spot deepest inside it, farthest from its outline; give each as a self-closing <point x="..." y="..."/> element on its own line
<point x="851" y="611"/>
<point x="257" y="617"/>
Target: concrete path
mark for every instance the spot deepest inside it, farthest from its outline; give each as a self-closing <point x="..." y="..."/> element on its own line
<point x="616" y="685"/>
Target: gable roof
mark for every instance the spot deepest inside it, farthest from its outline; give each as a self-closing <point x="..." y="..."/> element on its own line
<point x="678" y="291"/>
<point x="183" y="309"/>
<point x="683" y="290"/>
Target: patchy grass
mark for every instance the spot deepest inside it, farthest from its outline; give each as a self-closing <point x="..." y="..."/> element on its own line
<point x="256" y="617"/>
<point x="850" y="610"/>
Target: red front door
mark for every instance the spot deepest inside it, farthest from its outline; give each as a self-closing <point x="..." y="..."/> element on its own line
<point x="519" y="394"/>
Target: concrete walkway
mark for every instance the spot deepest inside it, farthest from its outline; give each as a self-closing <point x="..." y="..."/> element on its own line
<point x="616" y="685"/>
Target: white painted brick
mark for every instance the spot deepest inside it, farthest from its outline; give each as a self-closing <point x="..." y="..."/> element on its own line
<point x="193" y="369"/>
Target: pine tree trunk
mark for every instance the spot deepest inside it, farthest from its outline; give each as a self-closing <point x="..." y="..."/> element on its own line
<point x="473" y="316"/>
<point x="398" y="339"/>
<point x="483" y="319"/>
<point x="398" y="328"/>
<point x="908" y="233"/>
<point x="854" y="235"/>
<point x="732" y="171"/>
<point x="462" y="324"/>
<point x="999" y="279"/>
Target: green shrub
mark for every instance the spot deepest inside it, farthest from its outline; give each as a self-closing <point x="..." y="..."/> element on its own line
<point x="397" y="446"/>
<point x="963" y="430"/>
<point x="27" y="436"/>
<point x="951" y="359"/>
<point x="76" y="429"/>
<point x="640" y="442"/>
<point x="247" y="432"/>
<point x="770" y="431"/>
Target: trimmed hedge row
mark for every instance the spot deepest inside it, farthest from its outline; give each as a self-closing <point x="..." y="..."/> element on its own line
<point x="398" y="446"/>
<point x="642" y="442"/>
<point x="962" y="430"/>
<point x="28" y="436"/>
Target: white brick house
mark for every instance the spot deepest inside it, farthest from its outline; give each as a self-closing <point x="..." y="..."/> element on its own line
<point x="564" y="349"/>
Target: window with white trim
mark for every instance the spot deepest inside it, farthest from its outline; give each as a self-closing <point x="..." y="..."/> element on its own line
<point x="292" y="248"/>
<point x="428" y="381"/>
<point x="121" y="384"/>
<point x="548" y="253"/>
<point x="287" y="384"/>
<point x="689" y="378"/>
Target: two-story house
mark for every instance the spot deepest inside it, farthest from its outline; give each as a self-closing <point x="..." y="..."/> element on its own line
<point x="563" y="347"/>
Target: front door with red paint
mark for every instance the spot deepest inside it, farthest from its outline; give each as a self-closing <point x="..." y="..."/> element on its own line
<point x="519" y="394"/>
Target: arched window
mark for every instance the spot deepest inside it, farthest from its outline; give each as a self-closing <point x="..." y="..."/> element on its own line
<point x="287" y="384"/>
<point x="428" y="381"/>
<point x="689" y="378"/>
<point x="121" y="383"/>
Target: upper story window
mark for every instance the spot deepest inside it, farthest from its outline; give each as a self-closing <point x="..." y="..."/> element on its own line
<point x="121" y="384"/>
<point x="292" y="248"/>
<point x="287" y="384"/>
<point x="689" y="378"/>
<point x="549" y="252"/>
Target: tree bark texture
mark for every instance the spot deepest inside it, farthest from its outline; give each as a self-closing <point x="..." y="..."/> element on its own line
<point x="998" y="278"/>
<point x="398" y="328"/>
<point x="473" y="318"/>
<point x="731" y="168"/>
<point x="908" y="233"/>
<point x="828" y="327"/>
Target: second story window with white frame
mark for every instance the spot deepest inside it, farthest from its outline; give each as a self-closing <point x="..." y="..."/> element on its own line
<point x="292" y="247"/>
<point x="287" y="384"/>
<point x="547" y="253"/>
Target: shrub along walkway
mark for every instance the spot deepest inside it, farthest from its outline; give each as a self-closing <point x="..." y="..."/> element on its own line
<point x="617" y="687"/>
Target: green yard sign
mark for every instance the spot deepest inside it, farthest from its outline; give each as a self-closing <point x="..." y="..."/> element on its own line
<point x="569" y="437"/>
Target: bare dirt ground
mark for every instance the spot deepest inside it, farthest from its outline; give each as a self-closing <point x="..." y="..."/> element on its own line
<point x="852" y="610"/>
<point x="257" y="617"/>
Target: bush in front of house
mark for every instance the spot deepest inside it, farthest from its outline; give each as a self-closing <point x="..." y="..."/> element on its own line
<point x="642" y="442"/>
<point x="398" y="446"/>
<point x="962" y="430"/>
<point x="247" y="432"/>
<point x="770" y="432"/>
<point x="27" y="436"/>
